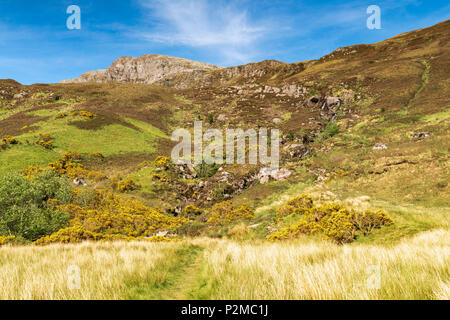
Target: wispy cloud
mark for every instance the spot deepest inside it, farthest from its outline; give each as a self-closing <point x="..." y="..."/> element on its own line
<point x="224" y="27"/>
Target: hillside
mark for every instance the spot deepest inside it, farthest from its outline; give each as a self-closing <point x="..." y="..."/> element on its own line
<point x="366" y="125"/>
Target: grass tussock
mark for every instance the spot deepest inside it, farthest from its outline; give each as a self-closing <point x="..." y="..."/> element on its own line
<point x="204" y="268"/>
<point x="416" y="268"/>
<point x="106" y="270"/>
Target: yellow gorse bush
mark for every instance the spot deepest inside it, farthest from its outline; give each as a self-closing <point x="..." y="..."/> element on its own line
<point x="223" y="212"/>
<point x="6" y="239"/>
<point x="97" y="155"/>
<point x="334" y="220"/>
<point x="295" y="206"/>
<point x="161" y="162"/>
<point x="45" y="140"/>
<point x="31" y="171"/>
<point x="191" y="211"/>
<point x="67" y="165"/>
<point x="10" y="140"/>
<point x="111" y="217"/>
<point x="85" y="114"/>
<point x="125" y="185"/>
<point x="61" y="115"/>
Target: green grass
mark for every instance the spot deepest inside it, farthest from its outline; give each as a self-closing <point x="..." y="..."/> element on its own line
<point x="19" y="157"/>
<point x="167" y="280"/>
<point x="437" y="117"/>
<point x="110" y="140"/>
<point x="144" y="178"/>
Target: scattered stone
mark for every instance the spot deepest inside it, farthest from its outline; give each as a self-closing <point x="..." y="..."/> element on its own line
<point x="313" y="101"/>
<point x="277" y="120"/>
<point x="79" y="182"/>
<point x="333" y="101"/>
<point x="222" y="117"/>
<point x="264" y="179"/>
<point x="380" y="146"/>
<point x="178" y="210"/>
<point x="162" y="233"/>
<point x="421" y="135"/>
<point x="277" y="174"/>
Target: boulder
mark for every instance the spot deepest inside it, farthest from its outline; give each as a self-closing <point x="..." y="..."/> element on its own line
<point x="380" y="146"/>
<point x="333" y="102"/>
<point x="277" y="174"/>
<point x="313" y="101"/>
<point x="222" y="117"/>
<point x="281" y="174"/>
<point x="277" y="120"/>
<point x="79" y="181"/>
<point x="421" y="135"/>
<point x="162" y="233"/>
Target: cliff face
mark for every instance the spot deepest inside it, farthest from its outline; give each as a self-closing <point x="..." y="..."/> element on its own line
<point x="147" y="69"/>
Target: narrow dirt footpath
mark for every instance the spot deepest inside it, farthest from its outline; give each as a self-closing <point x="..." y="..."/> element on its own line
<point x="185" y="281"/>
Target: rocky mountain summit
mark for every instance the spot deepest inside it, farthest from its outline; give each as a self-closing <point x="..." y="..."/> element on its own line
<point x="146" y="69"/>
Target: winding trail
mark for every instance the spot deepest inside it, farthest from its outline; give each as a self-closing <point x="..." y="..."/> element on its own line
<point x="425" y="80"/>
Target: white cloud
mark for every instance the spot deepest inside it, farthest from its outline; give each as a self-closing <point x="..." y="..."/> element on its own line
<point x="225" y="28"/>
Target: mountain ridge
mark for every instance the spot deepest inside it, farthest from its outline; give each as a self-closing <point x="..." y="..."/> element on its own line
<point x="181" y="73"/>
<point x="146" y="69"/>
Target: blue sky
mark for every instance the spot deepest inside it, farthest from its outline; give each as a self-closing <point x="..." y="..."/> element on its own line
<point x="37" y="47"/>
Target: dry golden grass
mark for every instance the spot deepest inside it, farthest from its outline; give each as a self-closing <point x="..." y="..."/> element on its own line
<point x="415" y="268"/>
<point x="50" y="272"/>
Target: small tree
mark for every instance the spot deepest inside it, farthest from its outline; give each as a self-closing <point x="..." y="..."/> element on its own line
<point x="29" y="208"/>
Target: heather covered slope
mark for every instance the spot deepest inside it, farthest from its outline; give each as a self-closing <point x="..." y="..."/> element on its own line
<point x="331" y="112"/>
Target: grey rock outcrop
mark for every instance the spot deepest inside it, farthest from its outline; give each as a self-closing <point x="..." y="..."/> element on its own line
<point x="148" y="69"/>
<point x="265" y="174"/>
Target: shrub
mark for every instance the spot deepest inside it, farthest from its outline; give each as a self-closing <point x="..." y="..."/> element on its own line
<point x="85" y="197"/>
<point x="6" y="239"/>
<point x="334" y="220"/>
<point x="160" y="177"/>
<point x="331" y="130"/>
<point x="31" y="171"/>
<point x="69" y="165"/>
<point x="369" y="220"/>
<point x="294" y="206"/>
<point x="10" y="140"/>
<point x="3" y="145"/>
<point x="111" y="217"/>
<point x="223" y="212"/>
<point x="85" y="114"/>
<point x="162" y="162"/>
<point x="61" y="115"/>
<point x="205" y="170"/>
<point x="218" y="192"/>
<point x="97" y="155"/>
<point x="210" y="118"/>
<point x="6" y="141"/>
<point x="45" y="140"/>
<point x="126" y="186"/>
<point x="25" y="211"/>
<point x="191" y="211"/>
